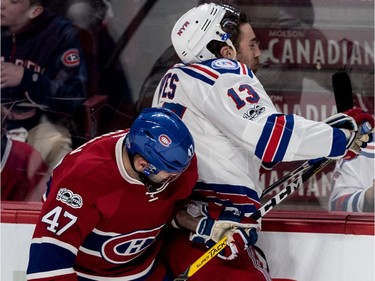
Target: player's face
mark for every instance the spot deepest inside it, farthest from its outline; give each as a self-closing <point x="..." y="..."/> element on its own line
<point x="15" y="14"/>
<point x="248" y="51"/>
<point x="156" y="181"/>
<point x="163" y="177"/>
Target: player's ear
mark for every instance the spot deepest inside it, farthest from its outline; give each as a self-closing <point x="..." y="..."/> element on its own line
<point x="35" y="11"/>
<point x="227" y="52"/>
<point x="140" y="163"/>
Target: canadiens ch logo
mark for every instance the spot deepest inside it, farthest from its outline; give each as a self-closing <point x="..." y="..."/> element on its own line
<point x="69" y="198"/>
<point x="71" y="58"/>
<point x="165" y="140"/>
<point x="126" y="247"/>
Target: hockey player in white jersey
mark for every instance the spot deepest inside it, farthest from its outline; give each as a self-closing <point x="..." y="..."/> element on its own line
<point x="237" y="129"/>
<point x="353" y="183"/>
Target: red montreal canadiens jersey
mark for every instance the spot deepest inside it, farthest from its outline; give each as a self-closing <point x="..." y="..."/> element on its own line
<point x="97" y="222"/>
<point x="236" y="126"/>
<point x="23" y="172"/>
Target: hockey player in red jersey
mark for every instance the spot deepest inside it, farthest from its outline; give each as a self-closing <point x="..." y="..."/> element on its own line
<point x="236" y="129"/>
<point x="108" y="201"/>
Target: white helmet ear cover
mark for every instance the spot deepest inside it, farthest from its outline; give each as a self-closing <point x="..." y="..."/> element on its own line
<point x="195" y="29"/>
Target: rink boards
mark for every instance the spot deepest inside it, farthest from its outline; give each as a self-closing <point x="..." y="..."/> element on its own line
<point x="304" y="246"/>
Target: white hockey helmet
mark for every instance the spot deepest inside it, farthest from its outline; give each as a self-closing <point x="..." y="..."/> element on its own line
<point x="199" y="26"/>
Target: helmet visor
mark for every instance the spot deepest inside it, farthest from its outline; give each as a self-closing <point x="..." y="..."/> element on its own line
<point x="160" y="177"/>
<point x="156" y="181"/>
<point x="231" y="19"/>
<point x="163" y="177"/>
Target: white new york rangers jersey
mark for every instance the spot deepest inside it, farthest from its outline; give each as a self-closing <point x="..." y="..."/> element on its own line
<point x="236" y="126"/>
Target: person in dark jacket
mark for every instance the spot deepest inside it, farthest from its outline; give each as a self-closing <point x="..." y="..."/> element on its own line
<point x="42" y="76"/>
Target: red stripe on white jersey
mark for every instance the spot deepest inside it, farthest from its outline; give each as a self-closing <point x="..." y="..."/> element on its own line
<point x="275" y="138"/>
<point x="204" y="70"/>
<point x="340" y="203"/>
<point x="244" y="69"/>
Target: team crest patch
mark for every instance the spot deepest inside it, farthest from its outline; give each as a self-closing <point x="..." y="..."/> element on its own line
<point x="69" y="198"/>
<point x="165" y="140"/>
<point x="224" y="64"/>
<point x="71" y="58"/>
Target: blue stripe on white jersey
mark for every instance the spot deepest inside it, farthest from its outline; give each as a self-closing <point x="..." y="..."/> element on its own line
<point x="355" y="201"/>
<point x="204" y="78"/>
<point x="339" y="142"/>
<point x="369" y="154"/>
<point x="241" y="197"/>
<point x="347" y="202"/>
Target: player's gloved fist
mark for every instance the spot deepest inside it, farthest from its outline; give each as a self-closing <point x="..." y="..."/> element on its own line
<point x="360" y="140"/>
<point x="360" y="116"/>
<point x="238" y="240"/>
<point x="357" y="126"/>
<point x="363" y="135"/>
<point x="217" y="219"/>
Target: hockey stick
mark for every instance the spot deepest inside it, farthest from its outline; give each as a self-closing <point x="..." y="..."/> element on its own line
<point x="203" y="259"/>
<point x="342" y="89"/>
<point x="296" y="172"/>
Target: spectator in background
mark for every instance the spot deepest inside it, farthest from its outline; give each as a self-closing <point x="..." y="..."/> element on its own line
<point x="91" y="18"/>
<point x="23" y="171"/>
<point x="353" y="183"/>
<point x="42" y="76"/>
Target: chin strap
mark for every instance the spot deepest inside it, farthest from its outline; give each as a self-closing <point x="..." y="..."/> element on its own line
<point x="153" y="188"/>
<point x="143" y="178"/>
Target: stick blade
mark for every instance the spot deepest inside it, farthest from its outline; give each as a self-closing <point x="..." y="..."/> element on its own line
<point x="342" y="89"/>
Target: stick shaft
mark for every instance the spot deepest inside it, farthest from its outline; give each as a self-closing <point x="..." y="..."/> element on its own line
<point x="290" y="188"/>
<point x="296" y="172"/>
<point x="205" y="258"/>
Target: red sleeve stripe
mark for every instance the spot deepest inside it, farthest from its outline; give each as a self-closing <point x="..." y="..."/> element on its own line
<point x="275" y="139"/>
